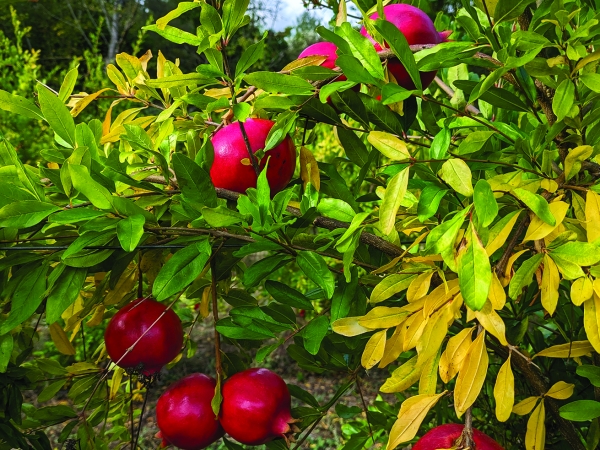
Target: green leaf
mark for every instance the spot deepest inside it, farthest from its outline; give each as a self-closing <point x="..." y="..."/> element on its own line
<point x="524" y="275"/>
<point x="6" y="348"/>
<point x="288" y="296"/>
<point x="493" y="95"/>
<point x="130" y="231"/>
<point x="51" y="390"/>
<point x="474" y="271"/>
<point x="569" y="270"/>
<point x="391" y="285"/>
<point x="188" y="79"/>
<point x="591" y="81"/>
<point x="336" y="209"/>
<point x="19" y="105"/>
<point x="64" y="292"/>
<point x="564" y="99"/>
<point x="537" y="203"/>
<point x="343" y="296"/>
<point x="279" y="83"/>
<point x="580" y="410"/>
<point x="441" y="144"/>
<point x="25" y="213"/>
<point x="233" y="15"/>
<point x="250" y="55"/>
<point x="181" y="270"/>
<point x="457" y="174"/>
<point x="355" y="71"/>
<point x="443" y="236"/>
<point x="221" y="216"/>
<point x="362" y="49"/>
<point x="509" y="9"/>
<point x="175" y="34"/>
<point x="68" y="84"/>
<point x="57" y="115"/>
<point x="355" y="149"/>
<point x="263" y="268"/>
<point x="394" y="194"/>
<point x="399" y="45"/>
<point x="592" y="373"/>
<point x="182" y="8"/>
<point x="429" y="201"/>
<point x="195" y="183"/>
<point x="315" y="268"/>
<point x="580" y="253"/>
<point x="474" y="142"/>
<point x="229" y="329"/>
<point x="314" y="333"/>
<point x="486" y="205"/>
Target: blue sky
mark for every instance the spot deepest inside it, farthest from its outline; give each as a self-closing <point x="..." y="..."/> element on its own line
<point x="290" y="10"/>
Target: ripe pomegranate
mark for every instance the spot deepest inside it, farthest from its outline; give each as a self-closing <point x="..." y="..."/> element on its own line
<point x="227" y="170"/>
<point x="159" y="346"/>
<point x="417" y="28"/>
<point x="323" y="49"/>
<point x="445" y="436"/>
<point x="184" y="414"/>
<point x="256" y="407"/>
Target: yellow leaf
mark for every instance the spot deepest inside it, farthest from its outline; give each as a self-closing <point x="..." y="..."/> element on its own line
<point x="85" y="101"/>
<point x="383" y="317"/>
<point x="411" y="415"/>
<point x="497" y="293"/>
<point x="550" y="185"/>
<point x="115" y="382"/>
<point x="391" y="285"/>
<point x="440" y="295"/>
<point x="393" y="348"/>
<point x="60" y="339"/>
<point x="582" y="289"/>
<point x="471" y="375"/>
<point x="309" y="170"/>
<point x="525" y="406"/>
<point x="348" y="326"/>
<point x="506" y="279"/>
<point x="428" y="378"/>
<point x="538" y="229"/>
<point x="419" y="286"/>
<point x="574" y="159"/>
<point x="597" y="286"/>
<point x="492" y="322"/>
<point x="403" y="377"/>
<point x="504" y="391"/>
<point x="122" y="288"/>
<point x="433" y="335"/>
<point x="535" y="437"/>
<point x="561" y="390"/>
<point x="313" y="60"/>
<point x="550" y="282"/>
<point x="591" y="321"/>
<point x="97" y="317"/>
<point x="414" y="331"/>
<point x="500" y="238"/>
<point x="455" y="353"/>
<point x="568" y="350"/>
<point x="592" y="215"/>
<point x="205" y="302"/>
<point x="374" y="350"/>
<point x="389" y="145"/>
<point x="394" y="194"/>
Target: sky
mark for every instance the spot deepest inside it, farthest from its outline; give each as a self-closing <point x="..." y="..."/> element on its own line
<point x="289" y="12"/>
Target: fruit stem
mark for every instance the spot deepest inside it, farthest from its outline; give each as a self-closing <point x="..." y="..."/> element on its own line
<point x="467" y="434"/>
<point x="139" y="428"/>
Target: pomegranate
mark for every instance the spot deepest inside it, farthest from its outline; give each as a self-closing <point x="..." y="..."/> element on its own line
<point x="417" y="28"/>
<point x="228" y="171"/>
<point x="323" y="49"/>
<point x="184" y="414"/>
<point x="445" y="436"/>
<point x="256" y="407"/>
<point x="159" y="345"/>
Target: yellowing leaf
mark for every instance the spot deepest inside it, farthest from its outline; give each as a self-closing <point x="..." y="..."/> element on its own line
<point x="97" y="317"/>
<point x="592" y="215"/>
<point x="205" y="302"/>
<point x="504" y="391"/>
<point x="313" y="60"/>
<point x="115" y="382"/>
<point x="509" y="266"/>
<point x="348" y="326"/>
<point x="550" y="282"/>
<point x="374" y="350"/>
<point x="538" y="229"/>
<point x="122" y="288"/>
<point x="433" y="335"/>
<point x="414" y="331"/>
<point x="525" y="406"/>
<point x="383" y="317"/>
<point x="497" y="294"/>
<point x="535" y="437"/>
<point x="471" y="375"/>
<point x="574" y="159"/>
<point x="60" y="339"/>
<point x="428" y="379"/>
<point x="394" y="194"/>
<point x="403" y="377"/>
<point x="591" y="321"/>
<point x="419" y="286"/>
<point x="456" y="350"/>
<point x="500" y="232"/>
<point x="309" y="170"/>
<point x="492" y="322"/>
<point x="389" y="145"/>
<point x="411" y="415"/>
<point x="458" y="175"/>
<point x="561" y="390"/>
<point x="391" y="285"/>
<point x="568" y="350"/>
<point x="582" y="289"/>
<point x="85" y="101"/>
<point x="393" y="348"/>
<point x="440" y="295"/>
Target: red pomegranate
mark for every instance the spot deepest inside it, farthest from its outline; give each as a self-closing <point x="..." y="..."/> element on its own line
<point x="418" y="28"/>
<point x="160" y="345"/>
<point x="184" y="414"/>
<point x="445" y="436"/>
<point x="228" y="172"/>
<point x="256" y="407"/>
<point x="323" y="49"/>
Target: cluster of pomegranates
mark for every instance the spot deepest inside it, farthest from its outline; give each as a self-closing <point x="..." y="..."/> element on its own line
<point x="228" y="170"/>
<point x="145" y="335"/>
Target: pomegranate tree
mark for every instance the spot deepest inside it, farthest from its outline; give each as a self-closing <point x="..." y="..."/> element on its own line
<point x="256" y="407"/>
<point x="184" y="414"/>
<point x="144" y="335"/>
<point x="229" y="170"/>
<point x="446" y="436"/>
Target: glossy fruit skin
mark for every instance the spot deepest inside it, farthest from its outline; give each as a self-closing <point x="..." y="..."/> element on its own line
<point x="445" y="436"/>
<point x="417" y="28"/>
<point x="324" y="49"/>
<point x="228" y="172"/>
<point x="256" y="407"/>
<point x="159" y="346"/>
<point x="184" y="414"/>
